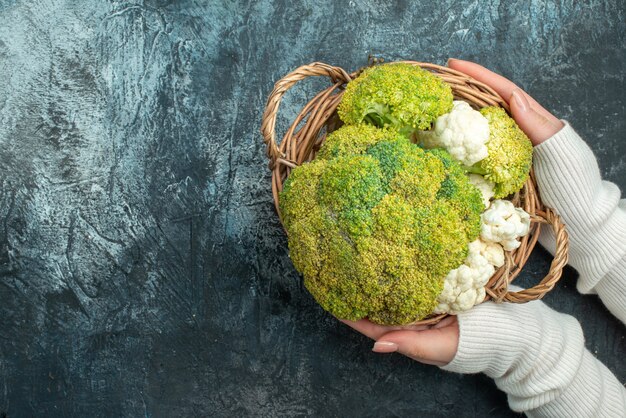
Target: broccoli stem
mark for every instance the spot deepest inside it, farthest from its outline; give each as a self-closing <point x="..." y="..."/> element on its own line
<point x="476" y="169"/>
<point x="374" y="119"/>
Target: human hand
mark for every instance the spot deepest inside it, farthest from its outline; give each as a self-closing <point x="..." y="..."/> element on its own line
<point x="435" y="345"/>
<point x="532" y="118"/>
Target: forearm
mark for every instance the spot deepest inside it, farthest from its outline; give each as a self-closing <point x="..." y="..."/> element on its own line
<point x="612" y="290"/>
<point x="569" y="181"/>
<point x="537" y="356"/>
<point x="593" y="392"/>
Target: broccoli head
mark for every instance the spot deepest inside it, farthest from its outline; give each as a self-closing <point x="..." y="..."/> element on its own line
<point x="375" y="223"/>
<point x="510" y="153"/>
<point x="404" y="97"/>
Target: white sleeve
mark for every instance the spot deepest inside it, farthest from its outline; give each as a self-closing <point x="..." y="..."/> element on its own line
<point x="569" y="181"/>
<point x="538" y="357"/>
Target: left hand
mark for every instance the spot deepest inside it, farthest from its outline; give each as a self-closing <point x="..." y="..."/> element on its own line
<point x="538" y="123"/>
<point x="435" y="345"/>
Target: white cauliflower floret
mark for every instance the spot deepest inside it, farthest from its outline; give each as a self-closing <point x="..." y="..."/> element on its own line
<point x="464" y="286"/>
<point x="493" y="252"/>
<point x="485" y="186"/>
<point x="504" y="223"/>
<point x="463" y="133"/>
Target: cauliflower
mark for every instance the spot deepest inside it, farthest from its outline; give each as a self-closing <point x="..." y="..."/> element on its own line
<point x="401" y="96"/>
<point x="510" y="153"/>
<point x="485" y="187"/>
<point x="504" y="223"/>
<point x="463" y="133"/>
<point x="492" y="251"/>
<point x="464" y="286"/>
<point x="375" y="223"/>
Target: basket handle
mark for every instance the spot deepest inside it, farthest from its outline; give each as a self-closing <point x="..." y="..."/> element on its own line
<point x="548" y="216"/>
<point x="268" y="124"/>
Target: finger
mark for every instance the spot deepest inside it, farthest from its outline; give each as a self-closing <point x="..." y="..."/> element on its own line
<point x="448" y="320"/>
<point x="367" y="328"/>
<point x="435" y="346"/>
<point x="537" y="126"/>
<point x="503" y="86"/>
<point x="375" y="331"/>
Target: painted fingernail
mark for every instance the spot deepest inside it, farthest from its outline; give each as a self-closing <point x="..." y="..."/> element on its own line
<point x="520" y="100"/>
<point x="385" y="347"/>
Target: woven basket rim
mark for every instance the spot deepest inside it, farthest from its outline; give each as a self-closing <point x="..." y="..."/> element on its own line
<point x="307" y="133"/>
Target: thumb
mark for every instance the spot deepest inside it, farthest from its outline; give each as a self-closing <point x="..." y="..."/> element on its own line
<point x="435" y="346"/>
<point x="536" y="125"/>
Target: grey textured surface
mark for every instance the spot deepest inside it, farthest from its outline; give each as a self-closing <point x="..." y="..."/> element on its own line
<point x="143" y="271"/>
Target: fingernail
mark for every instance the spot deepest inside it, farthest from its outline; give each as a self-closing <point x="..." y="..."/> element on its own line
<point x="450" y="60"/>
<point x="520" y="100"/>
<point x="385" y="347"/>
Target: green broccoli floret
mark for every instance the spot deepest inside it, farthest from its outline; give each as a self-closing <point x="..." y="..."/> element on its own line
<point x="375" y="223"/>
<point x="352" y="139"/>
<point x="510" y="153"/>
<point x="404" y="97"/>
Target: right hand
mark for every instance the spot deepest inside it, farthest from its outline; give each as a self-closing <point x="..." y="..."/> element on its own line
<point x="532" y="118"/>
<point x="435" y="344"/>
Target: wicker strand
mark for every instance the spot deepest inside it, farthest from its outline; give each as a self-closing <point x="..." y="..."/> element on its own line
<point x="308" y="132"/>
<point x="268" y="126"/>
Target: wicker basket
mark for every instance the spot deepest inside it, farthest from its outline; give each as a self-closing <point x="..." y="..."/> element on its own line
<point x="308" y="132"/>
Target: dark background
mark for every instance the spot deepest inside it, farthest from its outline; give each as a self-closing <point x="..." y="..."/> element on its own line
<point x="143" y="271"/>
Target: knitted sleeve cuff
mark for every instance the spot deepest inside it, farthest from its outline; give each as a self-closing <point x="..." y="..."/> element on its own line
<point x="537" y="356"/>
<point x="494" y="337"/>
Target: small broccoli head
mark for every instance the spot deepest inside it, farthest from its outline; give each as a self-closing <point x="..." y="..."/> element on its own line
<point x="510" y="153"/>
<point x="404" y="97"/>
<point x="376" y="224"/>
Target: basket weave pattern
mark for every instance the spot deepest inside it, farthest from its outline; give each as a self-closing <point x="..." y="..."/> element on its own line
<point x="308" y="132"/>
